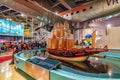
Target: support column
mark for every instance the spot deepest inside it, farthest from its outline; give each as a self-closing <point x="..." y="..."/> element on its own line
<point x="22" y="38"/>
<point x="32" y="28"/>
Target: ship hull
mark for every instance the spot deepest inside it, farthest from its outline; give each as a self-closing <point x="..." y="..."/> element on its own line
<point x="77" y="59"/>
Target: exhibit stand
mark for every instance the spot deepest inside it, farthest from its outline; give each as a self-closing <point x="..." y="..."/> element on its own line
<point x="34" y="66"/>
<point x="38" y="68"/>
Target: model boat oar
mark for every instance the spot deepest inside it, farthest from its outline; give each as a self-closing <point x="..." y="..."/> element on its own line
<point x="107" y="55"/>
<point x="98" y="55"/>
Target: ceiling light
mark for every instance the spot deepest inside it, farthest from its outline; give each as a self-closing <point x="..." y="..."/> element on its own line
<point x="56" y="13"/>
<point x="110" y="73"/>
<point x="108" y="17"/>
<point x="22" y="14"/>
<point x="96" y="58"/>
<point x="7" y="19"/>
<point x="96" y="32"/>
<point x="109" y="25"/>
<point x="10" y="19"/>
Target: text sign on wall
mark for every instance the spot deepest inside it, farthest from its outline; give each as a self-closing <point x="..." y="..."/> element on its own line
<point x="48" y="64"/>
<point x="27" y="32"/>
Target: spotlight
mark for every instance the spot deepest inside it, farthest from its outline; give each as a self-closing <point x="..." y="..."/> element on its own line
<point x="109" y="25"/>
<point x="56" y="13"/>
<point x="22" y="14"/>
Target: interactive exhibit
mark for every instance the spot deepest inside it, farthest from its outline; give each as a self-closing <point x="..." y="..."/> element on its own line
<point x="62" y="61"/>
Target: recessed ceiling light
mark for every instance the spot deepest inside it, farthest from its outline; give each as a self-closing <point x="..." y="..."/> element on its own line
<point x="56" y="13"/>
<point x="22" y="14"/>
<point x="109" y="25"/>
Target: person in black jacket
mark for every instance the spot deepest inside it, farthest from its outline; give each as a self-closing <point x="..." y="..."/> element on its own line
<point x="14" y="47"/>
<point x="43" y="43"/>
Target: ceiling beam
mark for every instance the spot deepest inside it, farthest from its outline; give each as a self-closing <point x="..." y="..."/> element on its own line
<point x="1" y="4"/>
<point x="55" y="4"/>
<point x="79" y="3"/>
<point x="31" y="8"/>
<point x="13" y="17"/>
<point x="71" y="3"/>
<point x="63" y="2"/>
<point x="52" y="7"/>
<point x="5" y="10"/>
<point x="13" y="4"/>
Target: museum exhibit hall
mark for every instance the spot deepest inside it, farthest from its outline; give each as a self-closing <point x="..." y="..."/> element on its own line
<point x="59" y="40"/>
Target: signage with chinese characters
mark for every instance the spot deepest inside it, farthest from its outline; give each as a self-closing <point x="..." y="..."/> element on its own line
<point x="48" y="64"/>
<point x="11" y="28"/>
<point x="27" y="32"/>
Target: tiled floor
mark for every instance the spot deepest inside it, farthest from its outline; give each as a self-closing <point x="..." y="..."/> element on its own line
<point x="8" y="72"/>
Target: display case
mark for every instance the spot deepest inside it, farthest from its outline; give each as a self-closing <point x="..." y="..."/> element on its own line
<point x="33" y="65"/>
<point x="49" y="69"/>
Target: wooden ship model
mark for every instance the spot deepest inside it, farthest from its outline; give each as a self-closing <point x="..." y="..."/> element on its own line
<point x="61" y="45"/>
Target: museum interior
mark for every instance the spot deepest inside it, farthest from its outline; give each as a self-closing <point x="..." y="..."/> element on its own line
<point x="59" y="40"/>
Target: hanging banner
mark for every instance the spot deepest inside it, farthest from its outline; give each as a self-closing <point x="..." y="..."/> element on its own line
<point x="27" y="32"/>
<point x="11" y="28"/>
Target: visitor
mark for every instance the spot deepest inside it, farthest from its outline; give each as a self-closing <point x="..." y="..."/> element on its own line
<point x="43" y="44"/>
<point x="15" y="48"/>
